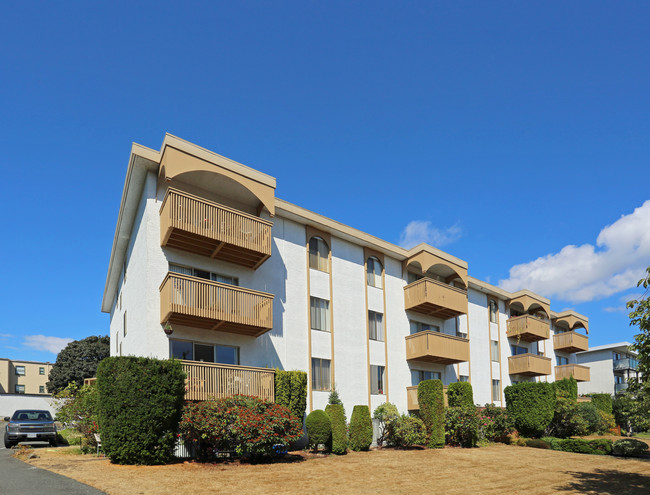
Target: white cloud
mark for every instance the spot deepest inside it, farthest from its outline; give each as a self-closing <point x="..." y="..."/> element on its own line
<point x="586" y="273"/>
<point x="418" y="231"/>
<point x="5" y="335"/>
<point x="45" y="343"/>
<point x="623" y="307"/>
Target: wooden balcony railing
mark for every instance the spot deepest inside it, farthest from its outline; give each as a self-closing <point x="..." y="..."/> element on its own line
<point x="211" y="380"/>
<point x="577" y="371"/>
<point x="570" y="342"/>
<point x="412" y="398"/>
<point x="200" y="226"/>
<point x="200" y="303"/>
<point x="436" y="347"/>
<point x="528" y="328"/>
<point x="529" y="365"/>
<point x="435" y="298"/>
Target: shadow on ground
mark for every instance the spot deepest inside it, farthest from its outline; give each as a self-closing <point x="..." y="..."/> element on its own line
<point x="608" y="482"/>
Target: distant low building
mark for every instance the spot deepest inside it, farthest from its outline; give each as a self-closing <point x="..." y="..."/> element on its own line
<point x="611" y="367"/>
<point x="23" y="377"/>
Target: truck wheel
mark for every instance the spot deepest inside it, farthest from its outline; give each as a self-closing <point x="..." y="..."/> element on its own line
<point x="53" y="442"/>
<point x="8" y="444"/>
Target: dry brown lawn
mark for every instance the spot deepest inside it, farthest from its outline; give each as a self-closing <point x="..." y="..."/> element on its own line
<point x="498" y="469"/>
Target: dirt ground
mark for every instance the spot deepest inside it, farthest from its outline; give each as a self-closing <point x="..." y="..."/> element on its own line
<point x="496" y="469"/>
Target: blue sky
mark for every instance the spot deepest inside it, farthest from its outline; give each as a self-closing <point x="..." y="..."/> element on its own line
<point x="502" y="132"/>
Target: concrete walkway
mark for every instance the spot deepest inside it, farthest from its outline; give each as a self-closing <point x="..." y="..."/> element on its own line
<point x="19" y="478"/>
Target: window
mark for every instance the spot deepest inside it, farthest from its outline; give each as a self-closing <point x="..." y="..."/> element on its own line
<point x="517" y="349"/>
<point x="124" y="325"/>
<point x="412" y="277"/>
<point x="195" y="272"/>
<point x="19" y="389"/>
<point x="561" y="360"/>
<point x="496" y="392"/>
<point x="320" y="314"/>
<point x="416" y="327"/>
<point x="376" y="325"/>
<point x="494" y="350"/>
<point x="318" y="254"/>
<point x="418" y="376"/>
<point x="227" y="354"/>
<point x="374" y="269"/>
<point x="207" y="353"/>
<point x="494" y="311"/>
<point x="41" y="389"/>
<point x="204" y="353"/>
<point x="377" y="378"/>
<point x="20" y="370"/>
<point x="41" y="371"/>
<point x="463" y="378"/>
<point x="320" y="374"/>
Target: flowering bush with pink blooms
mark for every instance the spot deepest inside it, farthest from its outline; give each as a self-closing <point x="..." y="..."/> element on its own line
<point x="494" y="424"/>
<point x="246" y="425"/>
<point x="461" y="426"/>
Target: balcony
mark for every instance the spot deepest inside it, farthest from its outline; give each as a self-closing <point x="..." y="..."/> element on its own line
<point x="211" y="380"/>
<point x="200" y="303"/>
<point x="579" y="372"/>
<point x="528" y="328"/>
<point x="619" y="388"/>
<point x="436" y="347"/>
<point x="412" y="398"/>
<point x="199" y="226"/>
<point x="433" y="298"/>
<point x="626" y="364"/>
<point x="529" y="365"/>
<point x="570" y="342"/>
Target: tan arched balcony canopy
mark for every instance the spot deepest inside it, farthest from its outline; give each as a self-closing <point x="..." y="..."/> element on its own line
<point x="532" y="324"/>
<point x="427" y="263"/>
<point x="570" y="320"/>
<point x="566" y="338"/>
<point x="530" y="303"/>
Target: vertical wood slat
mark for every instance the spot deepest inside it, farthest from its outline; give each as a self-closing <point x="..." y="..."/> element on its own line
<point x="202" y="298"/>
<point x="212" y="380"/>
<point x="222" y="223"/>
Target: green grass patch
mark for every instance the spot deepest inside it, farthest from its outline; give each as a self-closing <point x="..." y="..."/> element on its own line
<point x="69" y="437"/>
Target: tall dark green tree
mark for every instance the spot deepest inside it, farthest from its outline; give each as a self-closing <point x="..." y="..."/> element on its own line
<point x="639" y="315"/>
<point x="76" y="361"/>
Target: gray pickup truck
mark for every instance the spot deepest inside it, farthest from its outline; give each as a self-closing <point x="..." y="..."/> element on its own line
<point x="30" y="425"/>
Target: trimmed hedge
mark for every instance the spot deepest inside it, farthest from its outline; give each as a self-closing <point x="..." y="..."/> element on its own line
<point x="531" y="407"/>
<point x="291" y="391"/>
<point x="339" y="438"/>
<point x="360" y="428"/>
<point x="460" y="394"/>
<point x="140" y="401"/>
<point x="629" y="447"/>
<point x="603" y="402"/>
<point x="568" y="387"/>
<point x="537" y="443"/>
<point x="319" y="428"/>
<point x="596" y="447"/>
<point x="432" y="412"/>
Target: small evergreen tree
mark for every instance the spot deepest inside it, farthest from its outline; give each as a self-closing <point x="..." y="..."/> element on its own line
<point x="360" y="428"/>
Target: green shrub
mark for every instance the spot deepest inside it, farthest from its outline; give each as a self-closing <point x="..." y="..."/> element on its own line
<point x="360" y="428"/>
<point x="78" y="411"/>
<point x="385" y="413"/>
<point x="339" y="439"/>
<point x="568" y="420"/>
<point x="531" y="406"/>
<point x="68" y="436"/>
<point x="432" y="411"/>
<point x="568" y="387"/>
<point x="140" y="401"/>
<point x="460" y="394"/>
<point x="406" y="431"/>
<point x="461" y="426"/>
<point x="596" y="420"/>
<point x="537" y="443"/>
<point x="319" y="428"/>
<point x="249" y="426"/>
<point x="603" y="402"/>
<point x="579" y="446"/>
<point x="494" y="424"/>
<point x="291" y="391"/>
<point x="629" y="447"/>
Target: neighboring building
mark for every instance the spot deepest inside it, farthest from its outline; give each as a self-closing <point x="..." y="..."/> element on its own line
<point x="207" y="265"/>
<point x="611" y="366"/>
<point x="23" y="377"/>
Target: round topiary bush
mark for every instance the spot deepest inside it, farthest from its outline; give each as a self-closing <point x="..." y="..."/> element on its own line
<point x="460" y="394"/>
<point x="319" y="428"/>
<point x="629" y="447"/>
<point x="360" y="428"/>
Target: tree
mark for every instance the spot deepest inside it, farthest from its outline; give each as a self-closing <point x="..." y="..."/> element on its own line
<point x="78" y="360"/>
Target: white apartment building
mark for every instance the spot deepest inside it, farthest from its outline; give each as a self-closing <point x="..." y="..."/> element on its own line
<point x="611" y="366"/>
<point x="209" y="266"/>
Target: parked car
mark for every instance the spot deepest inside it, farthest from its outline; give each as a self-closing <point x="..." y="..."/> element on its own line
<point x="30" y="425"/>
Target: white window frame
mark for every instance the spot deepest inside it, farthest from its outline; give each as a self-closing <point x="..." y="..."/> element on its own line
<point x="20" y="368"/>
<point x="19" y="389"/>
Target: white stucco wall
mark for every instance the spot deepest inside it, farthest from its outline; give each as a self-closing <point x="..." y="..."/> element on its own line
<point x="601" y="379"/>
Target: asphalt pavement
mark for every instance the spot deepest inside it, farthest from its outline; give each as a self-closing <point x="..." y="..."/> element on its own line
<point x="18" y="477"/>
